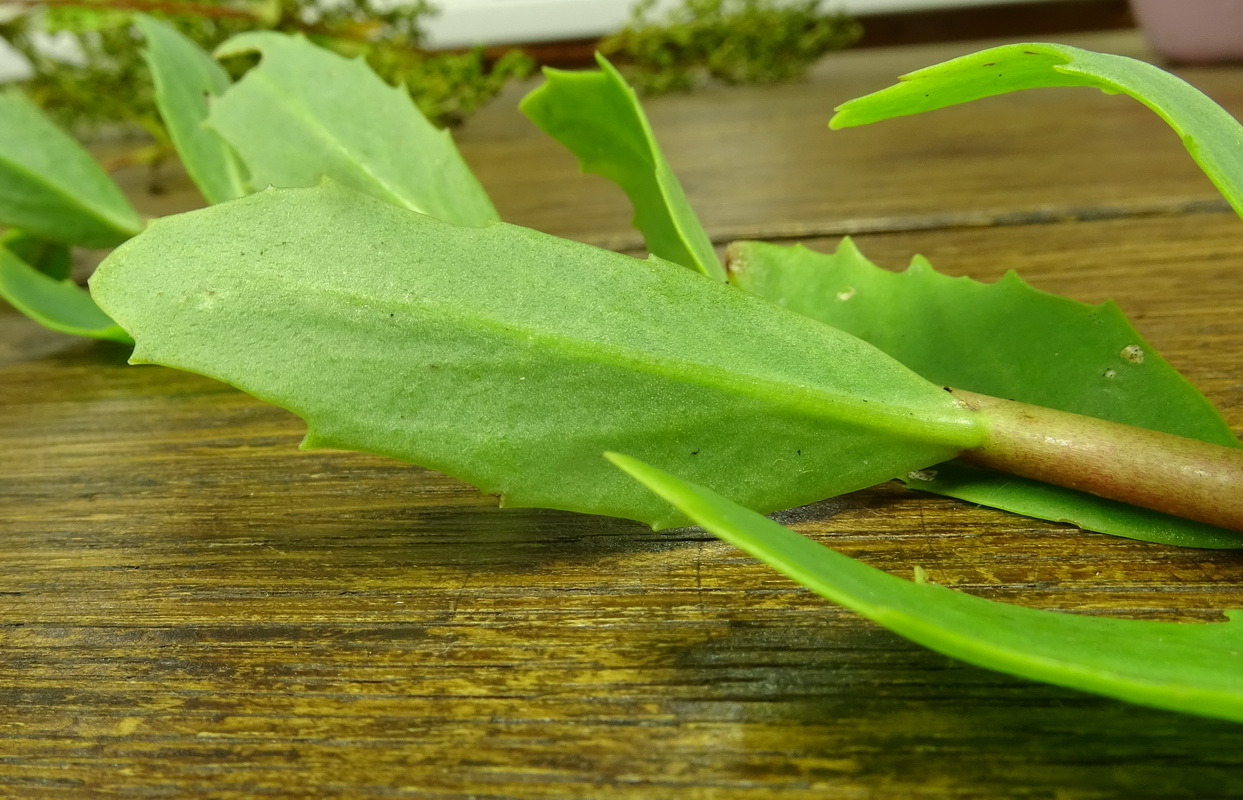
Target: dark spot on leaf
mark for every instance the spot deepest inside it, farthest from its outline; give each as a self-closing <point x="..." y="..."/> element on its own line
<point x="990" y="64"/>
<point x="694" y="452"/>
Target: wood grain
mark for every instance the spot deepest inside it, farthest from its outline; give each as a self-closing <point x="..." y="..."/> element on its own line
<point x="190" y="606"/>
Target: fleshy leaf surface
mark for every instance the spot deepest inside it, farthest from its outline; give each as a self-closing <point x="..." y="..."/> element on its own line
<point x="597" y="116"/>
<point x="1210" y="134"/>
<point x="51" y="187"/>
<point x="185" y="75"/>
<point x="1004" y="339"/>
<point x="511" y="359"/>
<point x="1194" y="668"/>
<point x="60" y="305"/>
<point x="322" y="114"/>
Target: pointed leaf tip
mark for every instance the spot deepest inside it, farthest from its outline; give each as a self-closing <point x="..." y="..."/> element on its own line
<point x="1211" y="135"/>
<point x="1192" y="668"/>
<point x="597" y="116"/>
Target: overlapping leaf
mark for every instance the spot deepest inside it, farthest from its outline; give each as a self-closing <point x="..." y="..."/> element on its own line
<point x="1196" y="669"/>
<point x="306" y="112"/>
<point x="185" y="76"/>
<point x="512" y="359"/>
<point x="599" y="119"/>
<point x="1211" y="135"/>
<point x="59" y="304"/>
<point x="50" y="187"/>
<point x="1007" y="340"/>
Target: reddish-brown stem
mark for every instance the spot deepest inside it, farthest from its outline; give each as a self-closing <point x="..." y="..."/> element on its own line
<point x="1185" y="477"/>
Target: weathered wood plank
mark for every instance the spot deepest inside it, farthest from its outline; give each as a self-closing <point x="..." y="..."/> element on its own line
<point x="191" y="606"/>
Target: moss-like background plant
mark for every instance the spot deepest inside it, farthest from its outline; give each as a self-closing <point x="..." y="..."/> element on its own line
<point x="110" y="82"/>
<point x="738" y="41"/>
<point x="735" y="41"/>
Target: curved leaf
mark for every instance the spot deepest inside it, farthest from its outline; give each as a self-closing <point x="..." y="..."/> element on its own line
<point x="322" y="114"/>
<point x="57" y="304"/>
<point x="185" y="75"/>
<point x="511" y="358"/>
<point x="1193" y="668"/>
<point x="51" y="187"/>
<point x="1004" y="339"/>
<point x="1210" y="134"/>
<point x="598" y="117"/>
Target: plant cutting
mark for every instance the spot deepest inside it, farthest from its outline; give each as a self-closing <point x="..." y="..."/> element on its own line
<point x="514" y="359"/>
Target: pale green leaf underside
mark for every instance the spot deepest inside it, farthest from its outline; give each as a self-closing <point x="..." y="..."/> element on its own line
<point x="57" y="304"/>
<point x="185" y="75"/>
<point x="597" y="116"/>
<point x="512" y="359"/>
<point x="1210" y="134"/>
<point x="306" y="112"/>
<point x="1192" y="668"/>
<point x="51" y="187"/>
<point x="1009" y="340"/>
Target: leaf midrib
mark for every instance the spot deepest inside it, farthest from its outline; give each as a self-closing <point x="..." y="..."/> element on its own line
<point x="810" y="402"/>
<point x="325" y="135"/>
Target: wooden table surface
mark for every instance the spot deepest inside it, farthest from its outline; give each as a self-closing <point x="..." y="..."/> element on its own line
<point x="190" y="606"/>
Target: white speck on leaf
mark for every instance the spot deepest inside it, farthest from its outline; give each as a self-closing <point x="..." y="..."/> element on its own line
<point x="846" y="294"/>
<point x="1133" y="353"/>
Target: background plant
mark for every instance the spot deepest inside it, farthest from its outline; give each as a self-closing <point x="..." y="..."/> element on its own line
<point x="735" y="41"/>
<point x="110" y="82"/>
<point x="738" y="41"/>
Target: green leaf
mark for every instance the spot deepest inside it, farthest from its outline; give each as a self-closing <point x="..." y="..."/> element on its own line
<point x="598" y="117"/>
<point x="51" y="258"/>
<point x="510" y="358"/>
<point x="1210" y="134"/>
<point x="57" y="304"/>
<point x="1193" y="668"/>
<point x="1004" y="339"/>
<point x="321" y="114"/>
<point x="51" y="187"/>
<point x="185" y="75"/>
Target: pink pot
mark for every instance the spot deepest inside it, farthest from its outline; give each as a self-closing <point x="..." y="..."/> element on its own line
<point x="1193" y="31"/>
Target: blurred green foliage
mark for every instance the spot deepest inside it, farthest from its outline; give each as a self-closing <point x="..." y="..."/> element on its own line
<point x="735" y="41"/>
<point x="110" y="82"/>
